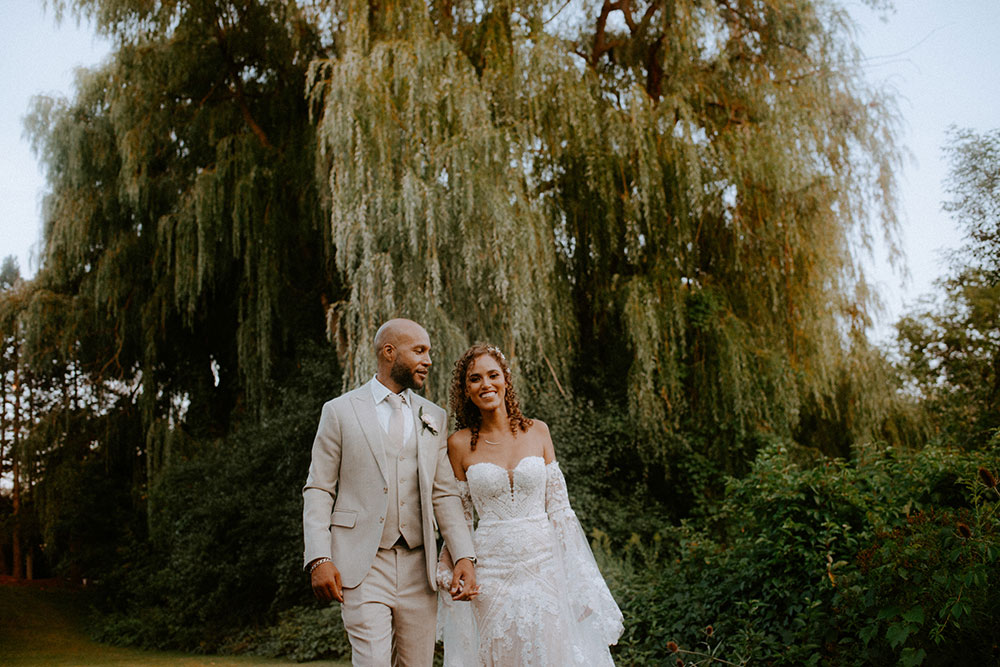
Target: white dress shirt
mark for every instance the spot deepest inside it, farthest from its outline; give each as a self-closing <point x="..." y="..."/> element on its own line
<point x="383" y="408"/>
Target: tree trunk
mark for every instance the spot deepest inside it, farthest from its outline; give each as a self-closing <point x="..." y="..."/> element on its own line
<point x="16" y="469"/>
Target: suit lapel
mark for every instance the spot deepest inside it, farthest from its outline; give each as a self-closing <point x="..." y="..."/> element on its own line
<point x="425" y="445"/>
<point x="364" y="408"/>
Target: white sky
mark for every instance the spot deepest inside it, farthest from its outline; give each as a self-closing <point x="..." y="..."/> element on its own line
<point x="940" y="55"/>
<point x="36" y="57"/>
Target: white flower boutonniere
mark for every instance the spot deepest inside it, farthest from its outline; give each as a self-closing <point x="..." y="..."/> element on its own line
<point x="426" y="421"/>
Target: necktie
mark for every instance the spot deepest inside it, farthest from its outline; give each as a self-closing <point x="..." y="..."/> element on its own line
<point x="396" y="420"/>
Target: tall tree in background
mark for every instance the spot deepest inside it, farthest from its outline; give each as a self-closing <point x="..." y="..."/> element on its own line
<point x="12" y="427"/>
<point x="951" y="348"/>
<point x="668" y="197"/>
<point x="182" y="244"/>
<point x="974" y="184"/>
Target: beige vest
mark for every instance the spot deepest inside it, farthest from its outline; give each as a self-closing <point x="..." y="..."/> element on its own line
<point x="403" y="514"/>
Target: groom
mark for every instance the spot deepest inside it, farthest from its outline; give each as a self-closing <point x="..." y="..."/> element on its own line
<point x="379" y="485"/>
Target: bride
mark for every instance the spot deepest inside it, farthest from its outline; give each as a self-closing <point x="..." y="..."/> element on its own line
<point x="541" y="599"/>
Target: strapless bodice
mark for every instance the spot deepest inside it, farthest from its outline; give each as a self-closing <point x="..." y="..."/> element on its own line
<point x="500" y="494"/>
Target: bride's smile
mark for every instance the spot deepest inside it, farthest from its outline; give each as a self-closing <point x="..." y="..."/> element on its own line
<point x="485" y="384"/>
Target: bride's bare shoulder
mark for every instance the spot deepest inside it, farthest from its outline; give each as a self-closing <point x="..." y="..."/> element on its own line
<point x="459" y="440"/>
<point x="539" y="432"/>
<point x="458" y="449"/>
<point x="538" y="426"/>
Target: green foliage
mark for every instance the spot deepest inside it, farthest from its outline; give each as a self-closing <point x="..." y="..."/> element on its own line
<point x="432" y="215"/>
<point x="10" y="272"/>
<point x="974" y="184"/>
<point x="639" y="183"/>
<point x="951" y="349"/>
<point x="951" y="358"/>
<point x="226" y="536"/>
<point x="300" y="633"/>
<point x="816" y="557"/>
<point x="181" y="233"/>
<point x="652" y="206"/>
<point x="610" y="490"/>
<point x="928" y="588"/>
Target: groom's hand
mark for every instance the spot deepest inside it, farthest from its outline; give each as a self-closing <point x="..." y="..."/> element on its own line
<point x="326" y="583"/>
<point x="463" y="581"/>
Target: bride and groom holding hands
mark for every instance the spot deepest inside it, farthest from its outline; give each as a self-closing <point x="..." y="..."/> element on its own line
<point x="521" y="589"/>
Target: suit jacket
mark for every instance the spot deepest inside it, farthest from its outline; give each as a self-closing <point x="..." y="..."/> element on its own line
<point x="345" y="497"/>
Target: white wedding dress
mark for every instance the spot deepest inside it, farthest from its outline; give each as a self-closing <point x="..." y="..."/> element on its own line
<point x="542" y="600"/>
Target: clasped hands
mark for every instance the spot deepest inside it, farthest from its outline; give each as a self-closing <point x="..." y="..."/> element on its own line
<point x="463" y="581"/>
<point x="327" y="586"/>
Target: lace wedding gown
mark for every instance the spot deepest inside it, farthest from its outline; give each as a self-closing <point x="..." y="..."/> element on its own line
<point x="542" y="600"/>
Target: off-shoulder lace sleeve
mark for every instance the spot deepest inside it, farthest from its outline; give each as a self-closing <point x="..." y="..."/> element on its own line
<point x="589" y="598"/>
<point x="456" y="625"/>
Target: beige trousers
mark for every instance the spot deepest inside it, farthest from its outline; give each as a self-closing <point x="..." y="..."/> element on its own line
<point x="390" y="616"/>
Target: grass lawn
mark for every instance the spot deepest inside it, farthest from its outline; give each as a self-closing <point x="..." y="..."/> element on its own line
<point x="41" y="623"/>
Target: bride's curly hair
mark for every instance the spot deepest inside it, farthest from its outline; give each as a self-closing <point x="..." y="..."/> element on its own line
<point x="466" y="413"/>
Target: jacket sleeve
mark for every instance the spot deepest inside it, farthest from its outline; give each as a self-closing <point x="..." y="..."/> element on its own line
<point x="321" y="486"/>
<point x="448" y="509"/>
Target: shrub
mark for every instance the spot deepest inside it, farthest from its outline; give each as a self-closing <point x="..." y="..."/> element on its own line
<point x="859" y="562"/>
<point x="224" y="553"/>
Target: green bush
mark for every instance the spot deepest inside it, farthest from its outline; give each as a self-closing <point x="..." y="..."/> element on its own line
<point x="928" y="590"/>
<point x="224" y="553"/>
<point x="300" y="633"/>
<point x="860" y="562"/>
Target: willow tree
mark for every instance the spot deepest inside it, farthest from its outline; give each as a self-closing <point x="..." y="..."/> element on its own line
<point x="434" y="215"/>
<point x="669" y="196"/>
<point x="182" y="238"/>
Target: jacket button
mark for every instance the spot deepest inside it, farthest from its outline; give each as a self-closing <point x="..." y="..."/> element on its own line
<point x="385" y="489"/>
<point x="381" y="519"/>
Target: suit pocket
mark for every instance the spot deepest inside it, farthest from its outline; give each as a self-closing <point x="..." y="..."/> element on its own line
<point x="344" y="518"/>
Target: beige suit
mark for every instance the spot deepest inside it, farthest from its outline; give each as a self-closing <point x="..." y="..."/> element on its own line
<point x="345" y="504"/>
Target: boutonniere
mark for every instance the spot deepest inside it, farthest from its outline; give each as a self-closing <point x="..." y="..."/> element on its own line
<point x="427" y="423"/>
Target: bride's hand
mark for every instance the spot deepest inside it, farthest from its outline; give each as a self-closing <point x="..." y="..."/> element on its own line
<point x="463" y="581"/>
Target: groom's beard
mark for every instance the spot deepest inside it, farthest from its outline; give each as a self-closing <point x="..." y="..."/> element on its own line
<point x="404" y="377"/>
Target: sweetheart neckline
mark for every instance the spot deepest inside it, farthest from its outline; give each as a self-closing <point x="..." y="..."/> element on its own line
<point x="510" y="471"/>
<point x="507" y="470"/>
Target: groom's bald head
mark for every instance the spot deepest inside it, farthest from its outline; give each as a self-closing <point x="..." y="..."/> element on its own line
<point x="403" y="351"/>
<point x="393" y="331"/>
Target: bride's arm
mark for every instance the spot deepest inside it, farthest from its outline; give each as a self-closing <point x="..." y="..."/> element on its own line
<point x="589" y="598"/>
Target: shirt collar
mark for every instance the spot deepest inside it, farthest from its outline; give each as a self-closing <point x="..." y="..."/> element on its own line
<point x="380" y="391"/>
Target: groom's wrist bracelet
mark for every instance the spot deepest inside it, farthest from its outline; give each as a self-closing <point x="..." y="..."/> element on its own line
<point x="318" y="562"/>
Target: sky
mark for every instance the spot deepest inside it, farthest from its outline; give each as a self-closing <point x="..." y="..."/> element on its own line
<point x="938" y="55"/>
<point x="36" y="58"/>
